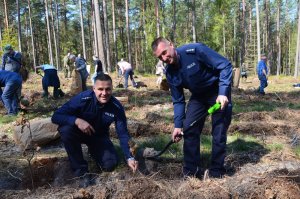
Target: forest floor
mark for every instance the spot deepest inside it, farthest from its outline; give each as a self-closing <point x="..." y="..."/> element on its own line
<point x="263" y="153"/>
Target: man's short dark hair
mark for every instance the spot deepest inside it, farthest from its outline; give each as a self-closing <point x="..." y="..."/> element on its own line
<point x="103" y="77"/>
<point x="157" y="41"/>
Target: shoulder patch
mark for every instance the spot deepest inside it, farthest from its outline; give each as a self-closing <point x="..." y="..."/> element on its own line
<point x="190" y="51"/>
<point x="116" y="105"/>
<point x="86" y="98"/>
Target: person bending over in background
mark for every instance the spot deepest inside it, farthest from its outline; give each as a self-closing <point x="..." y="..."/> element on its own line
<point x="126" y="71"/>
<point x="11" y="82"/>
<point x="80" y="66"/>
<point x="50" y="78"/>
<point x="86" y="119"/>
<point x="207" y="75"/>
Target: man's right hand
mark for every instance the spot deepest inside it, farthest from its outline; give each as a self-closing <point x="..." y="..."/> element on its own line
<point x="84" y="126"/>
<point x="177" y="134"/>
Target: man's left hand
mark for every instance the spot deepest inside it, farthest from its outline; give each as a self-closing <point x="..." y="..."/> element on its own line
<point x="223" y="100"/>
<point x="133" y="164"/>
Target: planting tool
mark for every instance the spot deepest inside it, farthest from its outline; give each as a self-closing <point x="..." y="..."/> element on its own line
<point x="119" y="84"/>
<point x="210" y="111"/>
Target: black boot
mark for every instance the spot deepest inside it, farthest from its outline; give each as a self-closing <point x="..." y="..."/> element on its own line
<point x="61" y="93"/>
<point x="45" y="94"/>
<point x="55" y="93"/>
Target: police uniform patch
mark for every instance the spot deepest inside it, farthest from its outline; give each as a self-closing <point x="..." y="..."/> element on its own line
<point x="190" y="51"/>
<point x="86" y="98"/>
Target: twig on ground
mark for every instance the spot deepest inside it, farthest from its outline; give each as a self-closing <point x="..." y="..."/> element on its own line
<point x="287" y="176"/>
<point x="278" y="97"/>
<point x="13" y="175"/>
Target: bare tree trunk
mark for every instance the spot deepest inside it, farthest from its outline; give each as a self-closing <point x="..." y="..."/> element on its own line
<point x="224" y="36"/>
<point x="243" y="33"/>
<point x="278" y="39"/>
<point x="298" y="46"/>
<point x="194" y="22"/>
<point x="82" y="30"/>
<point x="128" y="31"/>
<point x="114" y="32"/>
<point x="174" y="22"/>
<point x="101" y="54"/>
<point x="135" y="49"/>
<point x="6" y="15"/>
<point x="1" y="36"/>
<point x="54" y="35"/>
<point x="65" y="32"/>
<point x="49" y="33"/>
<point x="19" y="27"/>
<point x="258" y="30"/>
<point x="31" y="33"/>
<point x="95" y="40"/>
<point x="57" y="35"/>
<point x="109" y="67"/>
<point x="157" y="18"/>
<point x="145" y="44"/>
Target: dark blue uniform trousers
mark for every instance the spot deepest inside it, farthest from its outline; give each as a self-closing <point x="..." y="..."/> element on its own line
<point x="263" y="83"/>
<point x="51" y="79"/>
<point x="100" y="147"/>
<point x="197" y="107"/>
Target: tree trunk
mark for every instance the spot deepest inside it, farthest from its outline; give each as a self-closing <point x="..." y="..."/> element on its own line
<point x="114" y="32"/>
<point x="298" y="46"/>
<point x="19" y="27"/>
<point x="101" y="54"/>
<point x="49" y="34"/>
<point x="54" y="35"/>
<point x="31" y="33"/>
<point x="57" y="35"/>
<point x="157" y="18"/>
<point x="243" y="33"/>
<point x="258" y="30"/>
<point x="82" y="30"/>
<point x="94" y="30"/>
<point x="194" y="22"/>
<point x="224" y="36"/>
<point x="6" y="15"/>
<point x="128" y="32"/>
<point x="173" y="36"/>
<point x="109" y="67"/>
<point x="278" y="39"/>
<point x="1" y="44"/>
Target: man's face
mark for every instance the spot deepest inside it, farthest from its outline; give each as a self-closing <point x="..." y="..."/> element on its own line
<point x="10" y="51"/>
<point x="103" y="91"/>
<point x="166" y="53"/>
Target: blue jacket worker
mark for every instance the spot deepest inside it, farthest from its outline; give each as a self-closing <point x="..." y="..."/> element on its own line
<point x="11" y="82"/>
<point x="207" y="75"/>
<point x="86" y="119"/>
<point x="262" y="72"/>
<point x="50" y="78"/>
<point x="11" y="60"/>
<point x="80" y="66"/>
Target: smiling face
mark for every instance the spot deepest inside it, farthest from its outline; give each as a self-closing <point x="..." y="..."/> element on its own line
<point x="165" y="51"/>
<point x="103" y="90"/>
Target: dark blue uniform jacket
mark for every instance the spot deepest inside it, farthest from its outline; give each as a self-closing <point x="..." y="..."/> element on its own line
<point x="200" y="69"/>
<point x="6" y="76"/>
<point x="86" y="106"/>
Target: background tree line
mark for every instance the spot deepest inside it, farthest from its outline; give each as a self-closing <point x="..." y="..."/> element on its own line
<point x="46" y="30"/>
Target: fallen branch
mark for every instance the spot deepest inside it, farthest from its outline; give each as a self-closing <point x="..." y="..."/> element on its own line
<point x="13" y="175"/>
<point x="278" y="97"/>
